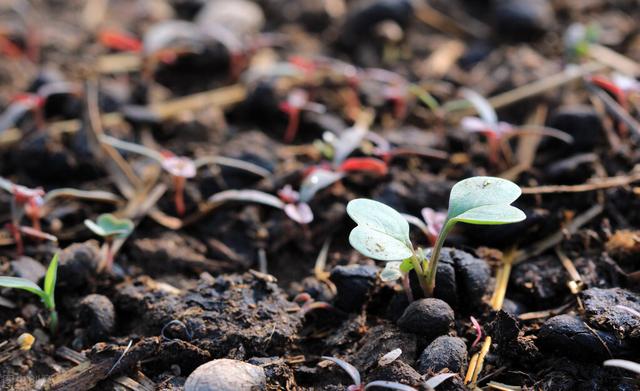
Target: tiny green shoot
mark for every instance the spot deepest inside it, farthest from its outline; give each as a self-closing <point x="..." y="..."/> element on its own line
<point x="383" y="234"/>
<point x="46" y="293"/>
<point x="110" y="228"/>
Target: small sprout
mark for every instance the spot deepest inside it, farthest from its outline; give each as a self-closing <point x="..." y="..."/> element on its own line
<point x="624" y="364"/>
<point x="497" y="131"/>
<point x="110" y="228"/>
<point x="621" y="87"/>
<point x="182" y="168"/>
<point x="297" y="101"/>
<point x="27" y="202"/>
<point x="478" y="329"/>
<point x="390" y="357"/>
<point x="578" y="38"/>
<point x="301" y="213"/>
<point x="436" y="380"/>
<point x="25" y="341"/>
<point x="358" y="385"/>
<point x="383" y="234"/>
<point x="46" y="293"/>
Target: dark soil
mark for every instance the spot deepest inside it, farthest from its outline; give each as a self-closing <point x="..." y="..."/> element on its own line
<point x="241" y="280"/>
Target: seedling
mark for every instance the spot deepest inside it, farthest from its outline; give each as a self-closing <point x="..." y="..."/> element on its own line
<point x="110" y="228"/>
<point x="497" y="132"/>
<point x="578" y="38"/>
<point x="324" y="175"/>
<point x="621" y="87"/>
<point x="358" y="385"/>
<point x="24" y="201"/>
<point x="383" y="233"/>
<point x="388" y="358"/>
<point x="431" y="223"/>
<point x="182" y="168"/>
<point x="46" y="293"/>
<point x="297" y="101"/>
<point x="31" y="203"/>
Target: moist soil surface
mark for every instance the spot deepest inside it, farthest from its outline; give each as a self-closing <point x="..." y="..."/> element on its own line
<point x="248" y="259"/>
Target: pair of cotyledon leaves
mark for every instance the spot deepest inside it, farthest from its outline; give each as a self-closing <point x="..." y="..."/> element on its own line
<point x="383" y="234"/>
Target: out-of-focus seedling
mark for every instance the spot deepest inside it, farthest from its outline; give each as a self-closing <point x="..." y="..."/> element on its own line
<point x="297" y="101"/>
<point x="182" y="168"/>
<point x="383" y="233"/>
<point x="46" y="293"/>
<point x="578" y="38"/>
<point x="497" y="132"/>
<point x="431" y="223"/>
<point x="358" y="385"/>
<point x="31" y="203"/>
<point x="622" y="88"/>
<point x="109" y="227"/>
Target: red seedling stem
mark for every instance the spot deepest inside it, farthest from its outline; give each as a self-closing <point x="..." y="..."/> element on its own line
<point x="17" y="236"/>
<point x="9" y="48"/>
<point x="365" y="164"/>
<point x="108" y="258"/>
<point x="119" y="41"/>
<point x="294" y="122"/>
<point x="179" y="183"/>
<point x="619" y="95"/>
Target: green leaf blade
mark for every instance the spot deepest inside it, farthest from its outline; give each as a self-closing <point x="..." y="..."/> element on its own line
<point x="21" y="283"/>
<point x="378" y="245"/>
<point x="50" y="279"/>
<point x="491" y="215"/>
<point x="95" y="228"/>
<point x="379" y="217"/>
<point x="479" y="191"/>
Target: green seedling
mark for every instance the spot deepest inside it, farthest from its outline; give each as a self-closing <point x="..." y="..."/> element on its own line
<point x="46" y="294"/>
<point x="383" y="233"/>
<point x="110" y="228"/>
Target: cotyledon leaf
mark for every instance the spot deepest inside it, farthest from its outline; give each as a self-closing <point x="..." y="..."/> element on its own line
<point x="379" y="217"/>
<point x="378" y="245"/>
<point x="478" y="191"/>
<point x="491" y="215"/>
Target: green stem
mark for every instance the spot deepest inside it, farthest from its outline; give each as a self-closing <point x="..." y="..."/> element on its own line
<point x="53" y="321"/>
<point x="430" y="275"/>
<point x="49" y="304"/>
<point x="419" y="272"/>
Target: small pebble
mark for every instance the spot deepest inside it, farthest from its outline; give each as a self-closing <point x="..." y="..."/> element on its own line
<point x="581" y="122"/>
<point x="568" y="335"/>
<point x="98" y="315"/>
<point x="226" y="375"/>
<point x="353" y="283"/>
<point x="523" y="20"/>
<point x="427" y="317"/>
<point x="443" y="352"/>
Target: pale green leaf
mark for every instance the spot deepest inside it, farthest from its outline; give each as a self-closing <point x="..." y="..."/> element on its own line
<point x="491" y="215"/>
<point x="380" y="217"/>
<point x="113" y="225"/>
<point x="478" y="191"/>
<point x="21" y="283"/>
<point x="391" y="271"/>
<point x="109" y="225"/>
<point x="50" y="278"/>
<point x="378" y="245"/>
<point x="406" y="266"/>
<point x="95" y="228"/>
